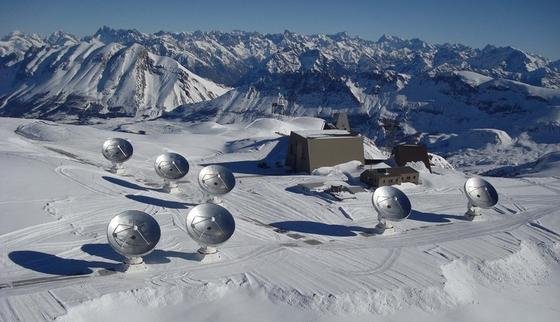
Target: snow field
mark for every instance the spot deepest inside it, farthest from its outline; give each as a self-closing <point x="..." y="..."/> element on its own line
<point x="292" y="256"/>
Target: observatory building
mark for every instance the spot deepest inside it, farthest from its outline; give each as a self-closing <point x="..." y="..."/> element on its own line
<point x="309" y="150"/>
<point x="389" y="176"/>
<point x="340" y="122"/>
<point x="404" y="153"/>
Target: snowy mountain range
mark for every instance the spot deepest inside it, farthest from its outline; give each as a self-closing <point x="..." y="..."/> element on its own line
<point x="394" y="89"/>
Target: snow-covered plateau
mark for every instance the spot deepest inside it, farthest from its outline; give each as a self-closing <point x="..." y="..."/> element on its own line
<point x="294" y="256"/>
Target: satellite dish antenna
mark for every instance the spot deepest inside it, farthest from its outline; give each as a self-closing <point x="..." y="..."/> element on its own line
<point x="481" y="194"/>
<point x="171" y="167"/>
<point x="133" y="234"/>
<point x="215" y="181"/>
<point x="117" y="151"/>
<point x="210" y="225"/>
<point x="392" y="205"/>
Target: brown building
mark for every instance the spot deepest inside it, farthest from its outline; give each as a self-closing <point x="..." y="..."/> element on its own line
<point x="404" y="153"/>
<point x="389" y="176"/>
<point x="309" y="150"/>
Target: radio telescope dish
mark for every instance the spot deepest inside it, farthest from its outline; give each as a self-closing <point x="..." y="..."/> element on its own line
<point x="391" y="205"/>
<point x="171" y="166"/>
<point x="133" y="234"/>
<point x="481" y="194"/>
<point x="216" y="180"/>
<point x="210" y="225"/>
<point x="117" y="151"/>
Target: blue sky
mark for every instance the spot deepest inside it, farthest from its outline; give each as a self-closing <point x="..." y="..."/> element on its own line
<point x="528" y="25"/>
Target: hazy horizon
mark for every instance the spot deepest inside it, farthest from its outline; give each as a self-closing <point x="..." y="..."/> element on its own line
<point x="531" y="27"/>
<point x="265" y="33"/>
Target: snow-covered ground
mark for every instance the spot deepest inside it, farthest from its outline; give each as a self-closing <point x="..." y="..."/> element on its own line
<point x="294" y="256"/>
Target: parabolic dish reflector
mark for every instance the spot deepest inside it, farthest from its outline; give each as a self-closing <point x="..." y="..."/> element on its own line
<point x="210" y="224"/>
<point x="171" y="166"/>
<point x="481" y="193"/>
<point x="216" y="179"/>
<point x="117" y="150"/>
<point x="391" y="203"/>
<point x="133" y="233"/>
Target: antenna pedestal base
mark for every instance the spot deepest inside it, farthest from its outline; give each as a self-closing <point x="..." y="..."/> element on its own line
<point x="171" y="187"/>
<point x="216" y="200"/>
<point x="208" y="258"/>
<point x="207" y="198"/>
<point x="206" y="250"/>
<point x="208" y="254"/>
<point x="133" y="264"/>
<point x="384" y="229"/>
<point x="117" y="168"/>
<point x="121" y="171"/>
<point x="473" y="213"/>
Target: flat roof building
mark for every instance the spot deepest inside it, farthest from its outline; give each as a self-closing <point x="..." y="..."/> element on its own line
<point x="389" y="176"/>
<point x="404" y="153"/>
<point x="309" y="150"/>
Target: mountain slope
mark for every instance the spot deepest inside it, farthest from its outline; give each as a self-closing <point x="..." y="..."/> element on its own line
<point x="394" y="89"/>
<point x="226" y="57"/>
<point x="448" y="102"/>
<point x="93" y="78"/>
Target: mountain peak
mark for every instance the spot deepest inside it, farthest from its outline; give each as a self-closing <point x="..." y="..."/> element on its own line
<point x="388" y="38"/>
<point x="21" y="35"/>
<point x="61" y="38"/>
<point x="15" y="33"/>
<point x="18" y="43"/>
<point x="509" y="58"/>
<point x="395" y="43"/>
<point x="107" y="34"/>
<point x="340" y="35"/>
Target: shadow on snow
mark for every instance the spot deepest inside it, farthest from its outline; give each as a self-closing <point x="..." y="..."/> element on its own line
<point x="124" y="183"/>
<point x="54" y="265"/>
<point x="431" y="217"/>
<point x="159" y="202"/>
<point x="158" y="256"/>
<point x="317" y="228"/>
<point x="266" y="166"/>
